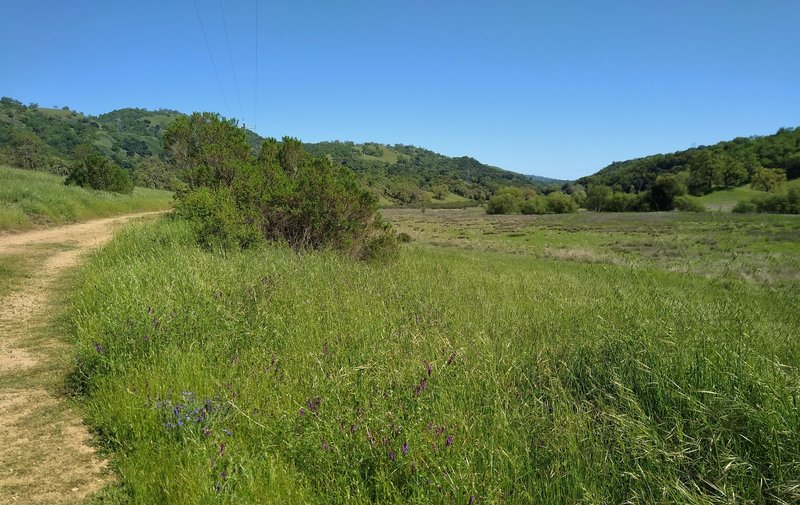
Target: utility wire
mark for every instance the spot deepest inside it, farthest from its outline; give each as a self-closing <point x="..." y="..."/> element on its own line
<point x="211" y="56"/>
<point x="230" y="57"/>
<point x="255" y="107"/>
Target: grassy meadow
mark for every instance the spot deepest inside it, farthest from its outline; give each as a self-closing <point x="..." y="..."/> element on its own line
<point x="592" y="358"/>
<point x="29" y="199"/>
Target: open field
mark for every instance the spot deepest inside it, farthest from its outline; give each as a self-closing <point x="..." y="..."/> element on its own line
<point x="554" y="359"/>
<point x="29" y="199"/>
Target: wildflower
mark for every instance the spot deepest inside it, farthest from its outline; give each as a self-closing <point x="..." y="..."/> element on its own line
<point x="405" y="448"/>
<point x="302" y="412"/>
<point x="98" y="348"/>
<point x="428" y="368"/>
<point x="471" y="500"/>
<point x="222" y="448"/>
<point x="449" y="441"/>
<point x="391" y="455"/>
<point x="324" y="445"/>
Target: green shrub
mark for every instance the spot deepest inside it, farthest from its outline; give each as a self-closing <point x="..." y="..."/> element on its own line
<point x="560" y="203"/>
<point x="687" y="204"/>
<point x="785" y="203"/>
<point x="505" y="201"/>
<point x="283" y="195"/>
<point x="98" y="172"/>
<point x="536" y="204"/>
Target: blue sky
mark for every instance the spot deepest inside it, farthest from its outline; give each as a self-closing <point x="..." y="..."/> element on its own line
<point x="554" y="88"/>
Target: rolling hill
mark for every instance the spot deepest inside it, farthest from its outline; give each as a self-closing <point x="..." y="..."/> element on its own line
<point x="42" y="138"/>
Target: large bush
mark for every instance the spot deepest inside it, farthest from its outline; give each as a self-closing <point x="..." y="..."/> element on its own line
<point x="783" y="203"/>
<point x="235" y="199"/>
<point x="98" y="172"/>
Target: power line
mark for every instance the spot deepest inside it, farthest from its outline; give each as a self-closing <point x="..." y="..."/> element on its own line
<point x="211" y="56"/>
<point x="255" y="106"/>
<point x="230" y="57"/>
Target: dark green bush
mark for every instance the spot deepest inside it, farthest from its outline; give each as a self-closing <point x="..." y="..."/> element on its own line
<point x="98" y="172"/>
<point x="536" y="204"/>
<point x="284" y="195"/>
<point x="686" y="204"/>
<point x="785" y="203"/>
<point x="505" y="201"/>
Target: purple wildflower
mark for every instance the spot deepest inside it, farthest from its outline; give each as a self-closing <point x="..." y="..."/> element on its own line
<point x="302" y="412"/>
<point x="449" y="441"/>
<point x="391" y="455"/>
<point x="428" y="368"/>
<point x="405" y="448"/>
<point x="98" y="347"/>
<point x="222" y="448"/>
<point x="471" y="500"/>
<point x="324" y="445"/>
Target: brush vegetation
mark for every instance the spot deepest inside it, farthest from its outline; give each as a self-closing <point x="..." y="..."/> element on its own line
<point x="29" y="199"/>
<point x="593" y="358"/>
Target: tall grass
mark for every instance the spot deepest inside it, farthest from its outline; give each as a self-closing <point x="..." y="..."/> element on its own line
<point x="29" y="198"/>
<point x="448" y="377"/>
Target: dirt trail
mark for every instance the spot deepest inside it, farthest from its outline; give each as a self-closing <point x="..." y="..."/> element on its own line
<point x="44" y="451"/>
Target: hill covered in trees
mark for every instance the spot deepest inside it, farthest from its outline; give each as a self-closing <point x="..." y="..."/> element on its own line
<point x="52" y="139"/>
<point x="707" y="168"/>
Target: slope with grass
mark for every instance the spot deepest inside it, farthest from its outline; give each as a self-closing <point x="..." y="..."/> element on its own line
<point x="29" y="199"/>
<point x="488" y="371"/>
<point x="726" y="199"/>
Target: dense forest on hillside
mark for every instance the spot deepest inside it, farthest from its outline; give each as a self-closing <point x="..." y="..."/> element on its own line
<point x="726" y="164"/>
<point x="52" y="139"/>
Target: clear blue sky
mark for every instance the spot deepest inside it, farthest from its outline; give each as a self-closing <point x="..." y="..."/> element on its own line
<point x="552" y="88"/>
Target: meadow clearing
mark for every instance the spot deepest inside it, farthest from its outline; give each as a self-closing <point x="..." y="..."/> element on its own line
<point x="593" y="358"/>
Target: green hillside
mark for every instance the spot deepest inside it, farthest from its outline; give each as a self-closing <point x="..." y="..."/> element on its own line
<point x="735" y="160"/>
<point x="45" y="139"/>
<point x="413" y="175"/>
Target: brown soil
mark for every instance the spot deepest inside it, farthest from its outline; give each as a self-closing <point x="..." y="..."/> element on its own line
<point x="45" y="455"/>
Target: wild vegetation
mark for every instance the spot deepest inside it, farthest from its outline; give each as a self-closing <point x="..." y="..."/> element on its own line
<point x="581" y="358"/>
<point x="29" y="199"/>
<point x="234" y="199"/>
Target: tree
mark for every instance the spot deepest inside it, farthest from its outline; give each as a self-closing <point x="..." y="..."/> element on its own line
<point x="505" y="201"/>
<point x="154" y="173"/>
<point x="98" y="172"/>
<point x="560" y="203"/>
<point x="768" y="179"/>
<point x="664" y="191"/>
<point x="26" y="150"/>
<point x="733" y="173"/>
<point x="705" y="172"/>
<point x="597" y="197"/>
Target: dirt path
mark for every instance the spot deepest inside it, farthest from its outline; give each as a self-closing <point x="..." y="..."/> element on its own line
<point x="44" y="452"/>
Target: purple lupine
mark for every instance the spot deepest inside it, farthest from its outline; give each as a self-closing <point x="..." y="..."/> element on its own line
<point x="302" y="412"/>
<point x="405" y="448"/>
<point x="391" y="455"/>
<point x="98" y="347"/>
<point x="471" y="500"/>
<point x="324" y="445"/>
<point x="449" y="441"/>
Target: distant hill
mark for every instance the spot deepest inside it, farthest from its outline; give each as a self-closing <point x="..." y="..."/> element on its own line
<point x="45" y="138"/>
<point x="410" y="174"/>
<point x="780" y="150"/>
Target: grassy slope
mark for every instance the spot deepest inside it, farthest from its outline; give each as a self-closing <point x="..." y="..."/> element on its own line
<point x="271" y="377"/>
<point x="726" y="199"/>
<point x="30" y="198"/>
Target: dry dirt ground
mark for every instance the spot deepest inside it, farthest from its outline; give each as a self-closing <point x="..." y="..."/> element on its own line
<point x="45" y="450"/>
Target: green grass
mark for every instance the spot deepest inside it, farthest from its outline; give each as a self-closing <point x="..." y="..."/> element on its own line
<point x="29" y="199"/>
<point x="726" y="199"/>
<point x="13" y="269"/>
<point x="512" y="374"/>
